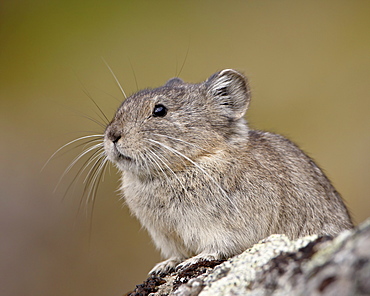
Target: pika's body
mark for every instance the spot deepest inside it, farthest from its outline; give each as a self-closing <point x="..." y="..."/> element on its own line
<point x="203" y="184"/>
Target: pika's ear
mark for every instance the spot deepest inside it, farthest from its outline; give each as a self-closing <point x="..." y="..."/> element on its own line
<point x="229" y="90"/>
<point x="174" y="81"/>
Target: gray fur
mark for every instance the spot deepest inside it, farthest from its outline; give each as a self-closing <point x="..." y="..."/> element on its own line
<point x="203" y="184"/>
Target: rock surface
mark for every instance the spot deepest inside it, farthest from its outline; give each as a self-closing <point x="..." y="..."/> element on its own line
<point x="278" y="266"/>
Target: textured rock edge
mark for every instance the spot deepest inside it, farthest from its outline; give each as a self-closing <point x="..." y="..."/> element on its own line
<point x="278" y="266"/>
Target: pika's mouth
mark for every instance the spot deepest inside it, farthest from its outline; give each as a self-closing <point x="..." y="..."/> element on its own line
<point x="119" y="156"/>
<point x="123" y="157"/>
<point x="115" y="153"/>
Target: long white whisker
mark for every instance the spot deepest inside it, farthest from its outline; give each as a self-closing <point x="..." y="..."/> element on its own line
<point x="65" y="145"/>
<point x="190" y="144"/>
<point x="182" y="141"/>
<point x="89" y="142"/>
<point x="96" y="176"/>
<point x="114" y="76"/>
<point x="199" y="167"/>
<point x="153" y="154"/>
<point x="82" y="169"/>
<point x="96" y="146"/>
<point x="169" y="182"/>
<point x="144" y="161"/>
<point x="85" y="144"/>
<point x="165" y="151"/>
<point x="89" y="179"/>
<point x="105" y="168"/>
<point x="98" y="156"/>
<point x="76" y="159"/>
<point x="153" y="160"/>
<point x="99" y="176"/>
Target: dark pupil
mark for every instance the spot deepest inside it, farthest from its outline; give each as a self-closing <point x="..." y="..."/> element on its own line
<point x="160" y="111"/>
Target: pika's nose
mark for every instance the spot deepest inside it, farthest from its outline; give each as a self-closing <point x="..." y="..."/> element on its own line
<point x="113" y="135"/>
<point x="116" y="138"/>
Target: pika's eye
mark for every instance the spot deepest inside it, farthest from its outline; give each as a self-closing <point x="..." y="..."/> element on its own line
<point x="159" y="111"/>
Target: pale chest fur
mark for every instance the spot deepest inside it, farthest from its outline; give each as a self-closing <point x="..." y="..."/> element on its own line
<point x="188" y="213"/>
<point x="168" y="203"/>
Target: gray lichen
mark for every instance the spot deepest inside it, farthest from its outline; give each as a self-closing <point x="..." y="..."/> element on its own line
<point x="307" y="266"/>
<point x="278" y="266"/>
<point x="244" y="269"/>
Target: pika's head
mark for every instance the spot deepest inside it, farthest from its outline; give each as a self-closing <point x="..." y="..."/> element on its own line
<point x="169" y="127"/>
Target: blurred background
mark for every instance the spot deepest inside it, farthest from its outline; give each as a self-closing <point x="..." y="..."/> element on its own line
<point x="308" y="63"/>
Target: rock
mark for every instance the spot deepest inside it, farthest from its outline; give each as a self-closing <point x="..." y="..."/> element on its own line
<point x="278" y="266"/>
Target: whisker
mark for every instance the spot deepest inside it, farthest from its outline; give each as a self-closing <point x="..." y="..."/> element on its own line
<point x="142" y="160"/>
<point x="84" y="144"/>
<point x="80" y="171"/>
<point x="97" y="106"/>
<point x="91" y="186"/>
<point x="84" y="89"/>
<point x="97" y="156"/>
<point x="102" y="125"/>
<point x="191" y="144"/>
<point x="75" y="160"/>
<point x="69" y="143"/>
<point x="96" y="185"/>
<point x="173" y="173"/>
<point x="199" y="167"/>
<point x="99" y="172"/>
<point x="96" y="178"/>
<point x="110" y="95"/>
<point x="165" y="151"/>
<point x="105" y="168"/>
<point x="133" y="72"/>
<point x="115" y="78"/>
<point x="182" y="141"/>
<point x="183" y="64"/>
<point x="152" y="155"/>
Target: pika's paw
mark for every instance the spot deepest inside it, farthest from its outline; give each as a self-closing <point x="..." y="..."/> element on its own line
<point x="197" y="259"/>
<point x="165" y="267"/>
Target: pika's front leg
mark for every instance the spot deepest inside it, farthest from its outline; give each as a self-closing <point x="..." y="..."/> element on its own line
<point x="170" y="249"/>
<point x="166" y="266"/>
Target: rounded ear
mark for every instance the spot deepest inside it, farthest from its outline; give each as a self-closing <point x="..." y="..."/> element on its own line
<point x="229" y="90"/>
<point x="174" y="81"/>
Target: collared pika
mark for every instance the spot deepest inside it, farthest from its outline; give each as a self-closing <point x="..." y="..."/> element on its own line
<point x="203" y="184"/>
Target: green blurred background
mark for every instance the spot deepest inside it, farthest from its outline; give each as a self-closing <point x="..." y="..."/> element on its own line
<point x="309" y="67"/>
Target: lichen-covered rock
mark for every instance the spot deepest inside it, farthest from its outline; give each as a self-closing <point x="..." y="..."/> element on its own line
<point x="277" y="266"/>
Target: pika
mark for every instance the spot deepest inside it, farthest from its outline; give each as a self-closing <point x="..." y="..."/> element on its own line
<point x="203" y="184"/>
